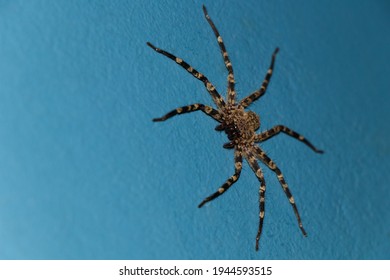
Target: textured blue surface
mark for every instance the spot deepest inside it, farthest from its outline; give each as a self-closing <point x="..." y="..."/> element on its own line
<point x="86" y="174"/>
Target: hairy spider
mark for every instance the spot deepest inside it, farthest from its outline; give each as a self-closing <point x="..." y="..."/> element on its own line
<point x="240" y="127"/>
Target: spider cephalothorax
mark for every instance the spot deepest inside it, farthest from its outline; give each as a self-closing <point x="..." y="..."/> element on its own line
<point x="240" y="127"/>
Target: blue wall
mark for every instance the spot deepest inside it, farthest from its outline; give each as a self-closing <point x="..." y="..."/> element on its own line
<point x="86" y="174"/>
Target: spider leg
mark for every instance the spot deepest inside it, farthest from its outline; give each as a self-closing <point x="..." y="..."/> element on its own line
<point x="281" y="128"/>
<point x="217" y="98"/>
<point x="228" y="64"/>
<point x="260" y="176"/>
<point x="229" y="182"/>
<point x="260" y="154"/>
<point x="258" y="93"/>
<point x="191" y="108"/>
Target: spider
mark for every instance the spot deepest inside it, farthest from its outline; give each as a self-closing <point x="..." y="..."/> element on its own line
<point x="240" y="127"/>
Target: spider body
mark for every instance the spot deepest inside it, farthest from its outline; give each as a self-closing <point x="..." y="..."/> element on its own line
<point x="240" y="126"/>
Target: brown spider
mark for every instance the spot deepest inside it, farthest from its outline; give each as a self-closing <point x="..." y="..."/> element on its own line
<point x="240" y="127"/>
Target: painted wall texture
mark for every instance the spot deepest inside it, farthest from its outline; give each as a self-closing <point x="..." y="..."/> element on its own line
<point x="86" y="174"/>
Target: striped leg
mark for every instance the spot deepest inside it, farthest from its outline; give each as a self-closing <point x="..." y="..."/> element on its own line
<point x="264" y="158"/>
<point x="260" y="176"/>
<point x="191" y="108"/>
<point x="228" y="64"/>
<point x="229" y="182"/>
<point x="217" y="98"/>
<point x="258" y="93"/>
<point x="281" y="128"/>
